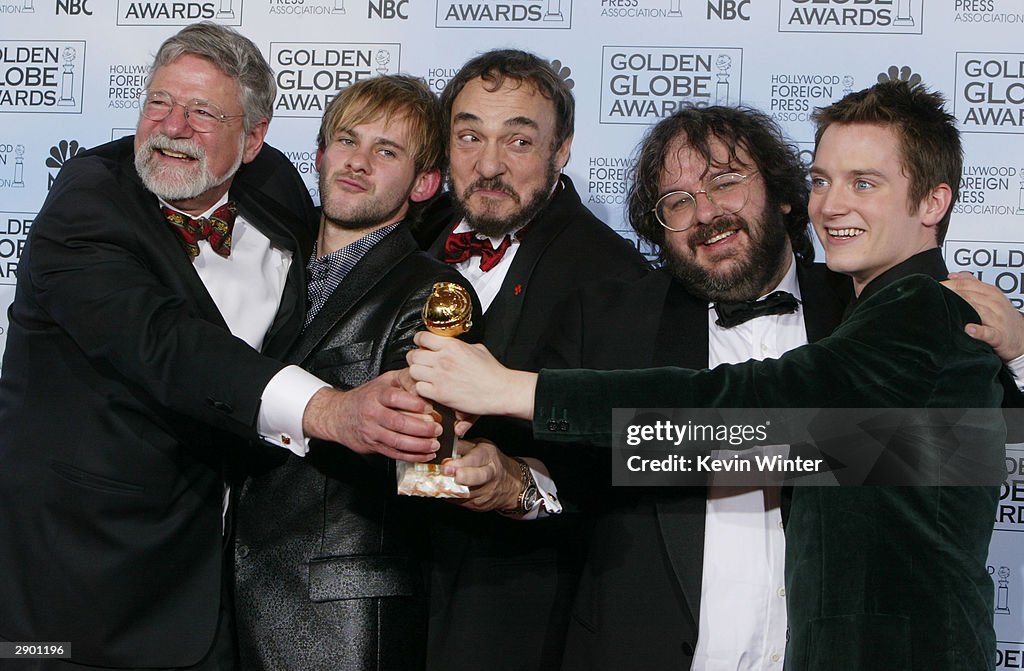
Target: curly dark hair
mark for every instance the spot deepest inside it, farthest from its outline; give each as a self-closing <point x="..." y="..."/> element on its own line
<point x="777" y="160"/>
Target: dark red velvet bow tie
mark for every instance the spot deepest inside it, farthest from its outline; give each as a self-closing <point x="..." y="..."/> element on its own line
<point x="216" y="229"/>
<point x="460" y="247"/>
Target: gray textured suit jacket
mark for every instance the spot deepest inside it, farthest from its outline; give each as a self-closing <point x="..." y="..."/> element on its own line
<point x="328" y="571"/>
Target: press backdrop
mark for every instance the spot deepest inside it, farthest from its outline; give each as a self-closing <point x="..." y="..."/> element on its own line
<point x="71" y="72"/>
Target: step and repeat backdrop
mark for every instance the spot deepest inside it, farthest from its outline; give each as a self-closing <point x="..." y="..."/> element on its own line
<point x="71" y="72"/>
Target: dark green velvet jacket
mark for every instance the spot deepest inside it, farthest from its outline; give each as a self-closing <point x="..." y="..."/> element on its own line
<point x="876" y="577"/>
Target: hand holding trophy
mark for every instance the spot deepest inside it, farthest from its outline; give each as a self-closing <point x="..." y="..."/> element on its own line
<point x="448" y="311"/>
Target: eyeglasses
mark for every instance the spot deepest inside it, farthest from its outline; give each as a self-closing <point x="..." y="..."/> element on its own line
<point x="202" y="116"/>
<point x="677" y="210"/>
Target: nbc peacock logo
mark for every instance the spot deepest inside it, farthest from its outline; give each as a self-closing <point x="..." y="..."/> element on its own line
<point x="60" y="153"/>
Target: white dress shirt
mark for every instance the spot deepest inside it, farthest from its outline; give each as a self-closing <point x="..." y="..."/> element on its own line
<point x="1016" y="368"/>
<point x="247" y="287"/>
<point x="742" y="605"/>
<point x="486" y="284"/>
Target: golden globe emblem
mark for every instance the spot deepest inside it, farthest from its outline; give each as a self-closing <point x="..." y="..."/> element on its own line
<point x="448" y="310"/>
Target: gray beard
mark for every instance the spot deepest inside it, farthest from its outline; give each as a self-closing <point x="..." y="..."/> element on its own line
<point x="173" y="185"/>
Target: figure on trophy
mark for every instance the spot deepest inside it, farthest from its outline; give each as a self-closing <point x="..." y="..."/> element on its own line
<point x="1020" y="192"/>
<point x="903" y="15"/>
<point x="554" y="11"/>
<point x="67" y="79"/>
<point x="723" y="63"/>
<point x="383" y="59"/>
<point x="226" y="11"/>
<point x="1003" y="591"/>
<point x="19" y="166"/>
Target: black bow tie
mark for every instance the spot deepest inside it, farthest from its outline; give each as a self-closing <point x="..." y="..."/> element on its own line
<point x="734" y="313"/>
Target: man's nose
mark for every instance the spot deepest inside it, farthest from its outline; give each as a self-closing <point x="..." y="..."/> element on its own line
<point x="706" y="210"/>
<point x="491" y="161"/>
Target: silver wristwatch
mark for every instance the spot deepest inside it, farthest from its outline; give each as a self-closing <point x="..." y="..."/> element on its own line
<point x="528" y="496"/>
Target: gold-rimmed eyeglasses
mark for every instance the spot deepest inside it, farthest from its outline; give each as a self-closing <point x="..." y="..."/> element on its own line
<point x="201" y="115"/>
<point x="677" y="210"/>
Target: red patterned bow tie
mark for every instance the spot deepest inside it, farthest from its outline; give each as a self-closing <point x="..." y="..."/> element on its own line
<point x="460" y="247"/>
<point x="216" y="229"/>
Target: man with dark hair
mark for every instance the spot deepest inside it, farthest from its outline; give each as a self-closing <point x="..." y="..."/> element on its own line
<point x="141" y="360"/>
<point x="876" y="577"/>
<point x="515" y="227"/>
<point x="327" y="555"/>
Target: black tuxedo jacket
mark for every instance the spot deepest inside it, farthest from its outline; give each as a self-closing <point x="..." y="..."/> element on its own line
<point x="327" y="556"/>
<point x="648" y="543"/>
<point x="123" y="395"/>
<point x="530" y="569"/>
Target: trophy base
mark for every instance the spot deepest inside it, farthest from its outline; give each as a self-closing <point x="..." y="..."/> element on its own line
<point x="427" y="480"/>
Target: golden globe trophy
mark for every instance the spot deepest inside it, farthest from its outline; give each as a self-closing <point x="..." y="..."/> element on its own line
<point x="448" y="311"/>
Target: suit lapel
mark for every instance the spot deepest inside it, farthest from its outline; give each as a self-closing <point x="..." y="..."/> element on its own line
<point x="168" y="247"/>
<point x="683" y="330"/>
<point x="824" y="295"/>
<point x="683" y="341"/>
<point x="370" y="270"/>
<point x="436" y="248"/>
<point x="503" y="315"/>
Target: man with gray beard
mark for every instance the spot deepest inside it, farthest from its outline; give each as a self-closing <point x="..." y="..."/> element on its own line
<point x="158" y="285"/>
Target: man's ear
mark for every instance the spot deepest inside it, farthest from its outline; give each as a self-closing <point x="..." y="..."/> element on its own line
<point x="254" y="140"/>
<point x="935" y="205"/>
<point x="425" y="186"/>
<point x="562" y="153"/>
<point x="319" y="157"/>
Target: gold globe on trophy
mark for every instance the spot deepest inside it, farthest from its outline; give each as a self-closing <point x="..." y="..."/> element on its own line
<point x="448" y="310"/>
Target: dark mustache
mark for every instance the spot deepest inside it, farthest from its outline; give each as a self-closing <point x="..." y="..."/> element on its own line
<point x="491" y="184"/>
<point x="703" y="233"/>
